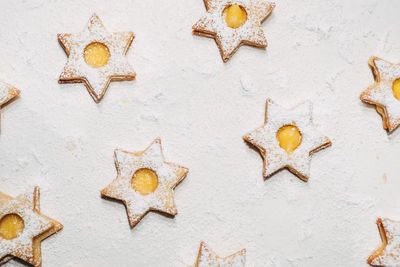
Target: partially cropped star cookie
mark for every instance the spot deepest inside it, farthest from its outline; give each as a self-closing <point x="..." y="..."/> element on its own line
<point x="145" y="182"/>
<point x="23" y="227"/>
<point x="7" y="93"/>
<point x="385" y="92"/>
<point x="96" y="57"/>
<point x="207" y="258"/>
<point x="233" y="23"/>
<point x="287" y="139"/>
<point x="389" y="252"/>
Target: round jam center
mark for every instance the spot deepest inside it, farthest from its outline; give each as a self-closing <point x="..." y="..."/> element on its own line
<point x="396" y="89"/>
<point x="96" y="55"/>
<point x="289" y="138"/>
<point x="235" y="16"/>
<point x="11" y="226"/>
<point x="145" y="181"/>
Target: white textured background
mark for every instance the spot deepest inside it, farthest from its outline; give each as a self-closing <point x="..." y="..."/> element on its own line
<point x="56" y="137"/>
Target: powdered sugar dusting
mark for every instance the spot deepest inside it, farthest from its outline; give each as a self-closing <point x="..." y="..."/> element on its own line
<point x="169" y="175"/>
<point x="229" y="39"/>
<point x="97" y="79"/>
<point x="387" y="70"/>
<point x="7" y="92"/>
<point x="207" y="258"/>
<point x="381" y="92"/>
<point x="274" y="156"/>
<point x="22" y="246"/>
<point x="390" y="256"/>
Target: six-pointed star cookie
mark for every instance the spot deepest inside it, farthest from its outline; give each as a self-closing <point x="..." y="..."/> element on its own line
<point x="107" y="48"/>
<point x="154" y="184"/>
<point x="34" y="227"/>
<point x="266" y="140"/>
<point x="214" y="24"/>
<point x="7" y="93"/>
<point x="207" y="258"/>
<point x="385" y="92"/>
<point x="389" y="253"/>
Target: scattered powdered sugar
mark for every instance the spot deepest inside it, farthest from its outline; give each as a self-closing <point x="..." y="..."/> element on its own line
<point x="97" y="79"/>
<point x="213" y="22"/>
<point x="381" y="92"/>
<point x="274" y="156"/>
<point x="7" y="92"/>
<point x="391" y="254"/>
<point x="387" y="71"/>
<point x="22" y="246"/>
<point x="169" y="175"/>
<point x="207" y="258"/>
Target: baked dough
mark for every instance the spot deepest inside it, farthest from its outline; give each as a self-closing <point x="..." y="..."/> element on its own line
<point x="7" y="93"/>
<point x="275" y="157"/>
<point x="381" y="93"/>
<point x="389" y="253"/>
<point x="37" y="227"/>
<point x="207" y="258"/>
<point x="96" y="80"/>
<point x="139" y="204"/>
<point x="228" y="39"/>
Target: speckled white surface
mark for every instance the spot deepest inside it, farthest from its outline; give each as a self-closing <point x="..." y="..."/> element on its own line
<point x="56" y="137"/>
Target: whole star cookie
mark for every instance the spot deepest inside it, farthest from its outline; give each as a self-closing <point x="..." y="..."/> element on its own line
<point x="389" y="253"/>
<point x="207" y="258"/>
<point x="233" y="23"/>
<point x="23" y="227"/>
<point x="287" y="139"/>
<point x="385" y="92"/>
<point x="7" y="93"/>
<point x="96" y="57"/>
<point x="144" y="182"/>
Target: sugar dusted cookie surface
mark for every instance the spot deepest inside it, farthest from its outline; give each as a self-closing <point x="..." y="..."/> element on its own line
<point x="96" y="57"/>
<point x="7" y="93"/>
<point x="233" y="23"/>
<point x="389" y="252"/>
<point x="145" y="181"/>
<point x="207" y="258"/>
<point x="287" y="139"/>
<point x="385" y="92"/>
<point x="23" y="227"/>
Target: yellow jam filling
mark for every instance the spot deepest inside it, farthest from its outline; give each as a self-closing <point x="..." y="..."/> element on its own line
<point x="96" y="55"/>
<point x="11" y="226"/>
<point x="145" y="181"/>
<point x="235" y="16"/>
<point x="289" y="138"/>
<point x="396" y="89"/>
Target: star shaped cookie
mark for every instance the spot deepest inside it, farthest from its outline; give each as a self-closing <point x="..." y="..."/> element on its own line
<point x="207" y="258"/>
<point x="287" y="139"/>
<point x="7" y="93"/>
<point x="385" y="92"/>
<point x="96" y="57"/>
<point x="145" y="182"/>
<point x="23" y="228"/>
<point x="389" y="253"/>
<point x="233" y="23"/>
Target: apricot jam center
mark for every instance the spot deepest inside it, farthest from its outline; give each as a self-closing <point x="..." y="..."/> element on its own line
<point x="96" y="54"/>
<point x="11" y="226"/>
<point x="145" y="181"/>
<point x="289" y="138"/>
<point x="235" y="16"/>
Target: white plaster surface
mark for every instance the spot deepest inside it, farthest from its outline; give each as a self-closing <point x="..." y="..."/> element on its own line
<point x="56" y="137"/>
